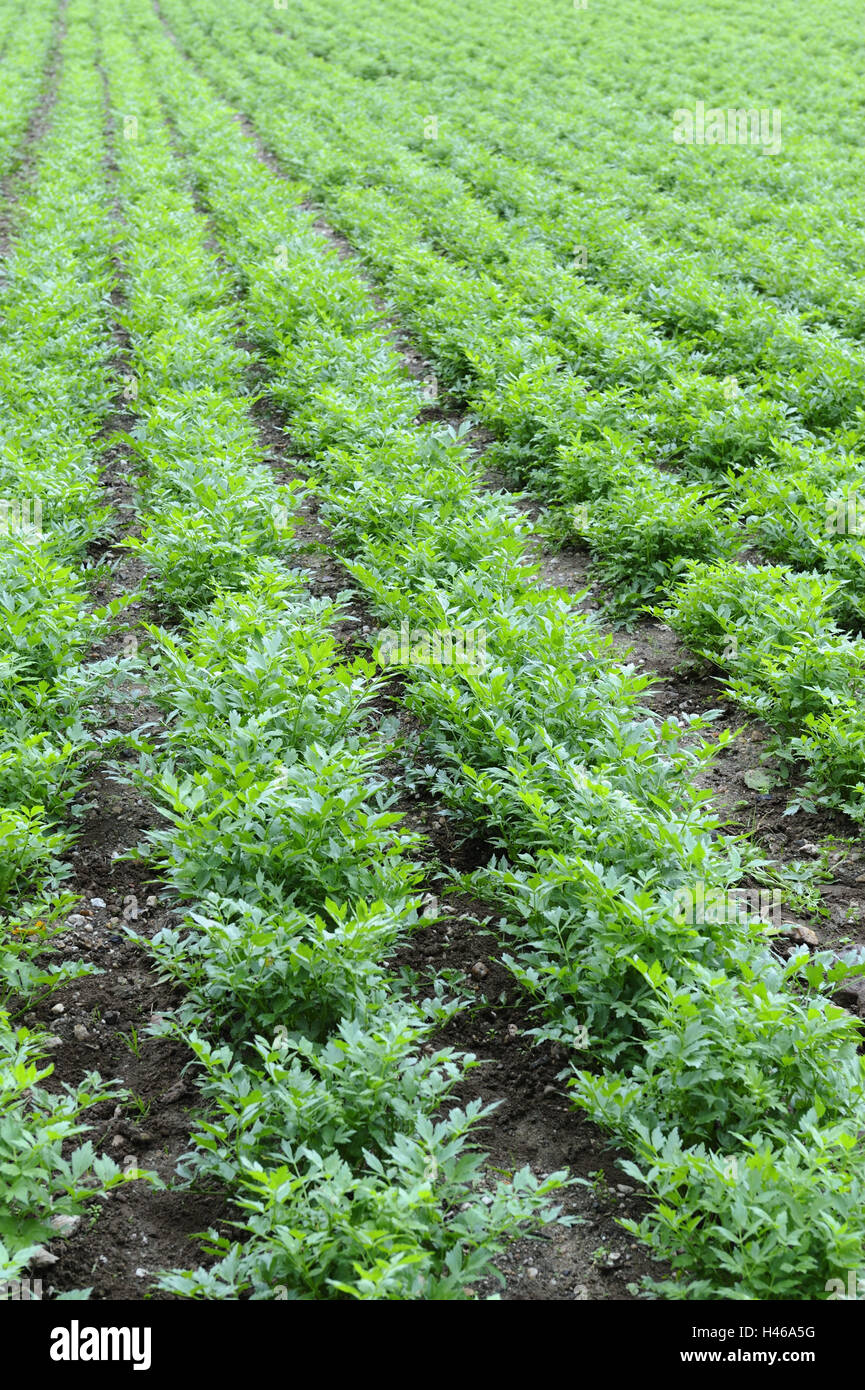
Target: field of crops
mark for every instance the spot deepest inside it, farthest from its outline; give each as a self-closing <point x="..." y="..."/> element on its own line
<point x="432" y="593"/>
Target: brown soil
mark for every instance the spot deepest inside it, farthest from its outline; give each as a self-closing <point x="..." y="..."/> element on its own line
<point x="99" y="1022"/>
<point x="141" y="1229"/>
<point x="534" y="1124"/>
<point x="530" y="1126"/>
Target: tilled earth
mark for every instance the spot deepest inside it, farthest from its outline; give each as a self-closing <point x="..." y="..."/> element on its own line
<point x="101" y="1021"/>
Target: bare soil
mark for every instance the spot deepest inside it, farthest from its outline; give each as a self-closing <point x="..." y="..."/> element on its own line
<point x="100" y="1022"/>
<point x="141" y="1229"/>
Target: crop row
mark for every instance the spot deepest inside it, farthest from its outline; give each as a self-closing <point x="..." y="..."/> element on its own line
<point x="328" y="1116"/>
<point x="574" y="437"/>
<point x="704" y="1048"/>
<point x="492" y="340"/>
<point x="596" y="438"/>
<point x="24" y="48"/>
<point x="541" y="355"/>
<point x="55" y="369"/>
<point x="511" y="137"/>
<point x="431" y="154"/>
<point x="676" y="251"/>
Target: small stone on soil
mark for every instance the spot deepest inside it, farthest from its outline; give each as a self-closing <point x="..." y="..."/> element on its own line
<point x="41" y="1258"/>
<point x="65" y="1224"/>
<point x="797" y="931"/>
